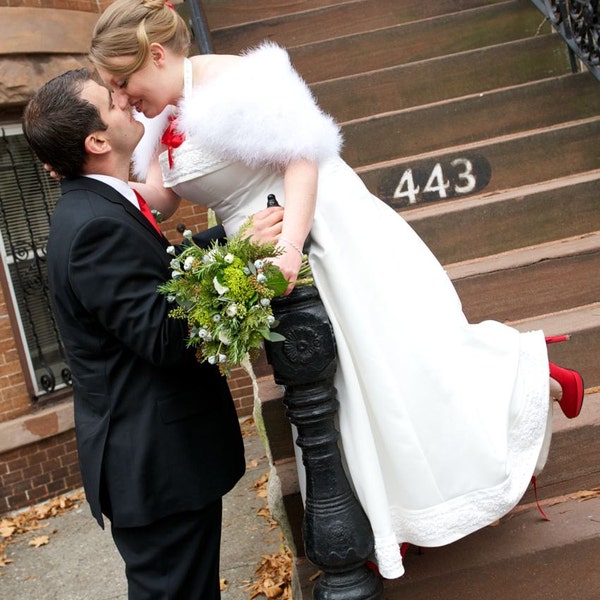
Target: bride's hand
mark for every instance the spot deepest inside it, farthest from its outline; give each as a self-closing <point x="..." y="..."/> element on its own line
<point x="266" y="225"/>
<point x="289" y="262"/>
<point x="52" y="172"/>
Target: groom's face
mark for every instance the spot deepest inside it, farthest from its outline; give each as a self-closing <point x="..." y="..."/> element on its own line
<point x="123" y="132"/>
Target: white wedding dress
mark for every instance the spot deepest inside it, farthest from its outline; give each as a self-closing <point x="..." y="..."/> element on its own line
<point x="443" y="423"/>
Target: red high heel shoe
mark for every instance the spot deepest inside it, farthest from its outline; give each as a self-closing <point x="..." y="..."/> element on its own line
<point x="570" y="381"/>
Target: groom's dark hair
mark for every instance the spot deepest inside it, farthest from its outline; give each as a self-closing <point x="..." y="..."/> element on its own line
<point x="57" y="121"/>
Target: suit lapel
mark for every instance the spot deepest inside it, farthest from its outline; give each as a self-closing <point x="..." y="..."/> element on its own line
<point x="110" y="194"/>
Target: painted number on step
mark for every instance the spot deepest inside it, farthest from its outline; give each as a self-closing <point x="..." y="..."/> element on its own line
<point x="431" y="181"/>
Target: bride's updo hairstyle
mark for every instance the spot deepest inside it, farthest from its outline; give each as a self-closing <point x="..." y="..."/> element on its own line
<point x="128" y="27"/>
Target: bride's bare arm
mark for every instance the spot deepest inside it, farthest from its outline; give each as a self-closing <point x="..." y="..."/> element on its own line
<point x="300" y="188"/>
<point x="162" y="199"/>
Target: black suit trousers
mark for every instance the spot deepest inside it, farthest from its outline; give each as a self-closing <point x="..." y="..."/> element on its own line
<point x="174" y="558"/>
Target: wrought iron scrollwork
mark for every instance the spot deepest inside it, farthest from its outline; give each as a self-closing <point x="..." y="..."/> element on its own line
<point x="578" y="22"/>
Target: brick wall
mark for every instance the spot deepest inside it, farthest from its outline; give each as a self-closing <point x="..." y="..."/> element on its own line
<point x="37" y="472"/>
<point x="14" y="399"/>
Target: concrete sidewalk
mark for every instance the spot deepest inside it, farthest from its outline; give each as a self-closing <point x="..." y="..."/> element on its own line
<point x="81" y="563"/>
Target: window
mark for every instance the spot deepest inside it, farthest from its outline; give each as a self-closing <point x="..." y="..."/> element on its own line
<point x="27" y="199"/>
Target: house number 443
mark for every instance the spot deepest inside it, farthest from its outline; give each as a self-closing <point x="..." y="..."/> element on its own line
<point x="441" y="180"/>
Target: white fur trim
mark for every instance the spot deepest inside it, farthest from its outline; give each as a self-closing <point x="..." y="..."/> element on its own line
<point x="260" y="112"/>
<point x="148" y="145"/>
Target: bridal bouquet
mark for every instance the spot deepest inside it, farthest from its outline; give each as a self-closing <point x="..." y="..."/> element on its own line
<point x="224" y="292"/>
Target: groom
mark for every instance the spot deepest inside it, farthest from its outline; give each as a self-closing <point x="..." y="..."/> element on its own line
<point x="158" y="436"/>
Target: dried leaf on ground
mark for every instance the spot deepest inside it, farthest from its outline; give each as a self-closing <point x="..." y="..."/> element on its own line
<point x="4" y="560"/>
<point x="260" y="486"/>
<point x="29" y="520"/>
<point x="248" y="427"/>
<point x="586" y="494"/>
<point x="274" y="576"/>
<point x="223" y="584"/>
<point x="7" y="528"/>
<point x="40" y="540"/>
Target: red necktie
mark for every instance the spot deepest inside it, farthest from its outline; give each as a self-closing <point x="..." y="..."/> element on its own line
<point x="145" y="210"/>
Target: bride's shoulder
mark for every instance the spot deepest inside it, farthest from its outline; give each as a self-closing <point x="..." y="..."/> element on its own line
<point x="208" y="66"/>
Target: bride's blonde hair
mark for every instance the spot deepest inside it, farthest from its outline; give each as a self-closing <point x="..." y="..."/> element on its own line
<point x="128" y="27"/>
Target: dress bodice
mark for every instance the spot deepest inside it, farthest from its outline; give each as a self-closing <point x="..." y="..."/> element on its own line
<point x="233" y="190"/>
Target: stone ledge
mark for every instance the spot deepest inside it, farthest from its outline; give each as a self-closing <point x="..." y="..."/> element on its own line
<point x="21" y="76"/>
<point x="45" y="31"/>
<point x="36" y="427"/>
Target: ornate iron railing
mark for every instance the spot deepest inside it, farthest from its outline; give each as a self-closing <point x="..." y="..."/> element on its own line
<point x="578" y="23"/>
<point x="336" y="532"/>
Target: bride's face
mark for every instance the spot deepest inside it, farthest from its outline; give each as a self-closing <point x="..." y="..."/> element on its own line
<point x="146" y="90"/>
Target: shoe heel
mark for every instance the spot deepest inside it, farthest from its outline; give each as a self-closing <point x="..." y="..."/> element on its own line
<point x="572" y="387"/>
<point x="553" y="339"/>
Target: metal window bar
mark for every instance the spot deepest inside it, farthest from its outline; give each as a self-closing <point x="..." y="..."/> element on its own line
<point x="26" y="203"/>
<point x="578" y="23"/>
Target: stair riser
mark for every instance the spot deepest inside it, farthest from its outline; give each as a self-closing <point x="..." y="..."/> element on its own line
<point x="501" y="165"/>
<point x="556" y="573"/>
<point x="580" y="353"/>
<point x="520" y="293"/>
<point x="407" y="86"/>
<point x="563" y="475"/>
<point x="487" y="228"/>
<point x="418" y="41"/>
<point x="470" y="120"/>
<point x="222" y="14"/>
<point x="315" y="25"/>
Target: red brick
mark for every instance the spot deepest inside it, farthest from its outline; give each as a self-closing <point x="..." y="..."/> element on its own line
<point x="17" y="501"/>
<point x="56" y="487"/>
<point x="17" y="464"/>
<point x="40" y="480"/>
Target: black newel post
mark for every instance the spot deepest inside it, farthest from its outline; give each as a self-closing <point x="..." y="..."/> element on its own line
<point x="337" y="534"/>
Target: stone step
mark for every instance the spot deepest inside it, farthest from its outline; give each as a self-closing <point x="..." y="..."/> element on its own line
<point x="497" y="23"/>
<point x="459" y="230"/>
<point x="469" y="119"/>
<point x="474" y="71"/>
<point x="573" y="460"/>
<point x="222" y="14"/>
<point x="292" y="25"/>
<point x="490" y="166"/>
<point x="531" y="281"/>
<point x="523" y="557"/>
<point x="583" y="349"/>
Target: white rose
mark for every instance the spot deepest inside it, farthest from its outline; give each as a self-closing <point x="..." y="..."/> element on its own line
<point x="221" y="289"/>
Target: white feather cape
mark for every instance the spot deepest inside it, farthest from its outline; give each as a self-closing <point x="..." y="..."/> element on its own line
<point x="258" y="112"/>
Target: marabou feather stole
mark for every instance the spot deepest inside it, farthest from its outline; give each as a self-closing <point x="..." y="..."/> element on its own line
<point x="257" y="112"/>
<point x="149" y="145"/>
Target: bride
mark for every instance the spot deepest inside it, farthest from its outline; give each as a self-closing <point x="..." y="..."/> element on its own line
<point x="443" y="423"/>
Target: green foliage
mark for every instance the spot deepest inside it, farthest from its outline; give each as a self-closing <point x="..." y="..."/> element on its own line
<point x="225" y="294"/>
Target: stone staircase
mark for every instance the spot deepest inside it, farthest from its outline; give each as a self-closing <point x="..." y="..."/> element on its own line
<point x="465" y="116"/>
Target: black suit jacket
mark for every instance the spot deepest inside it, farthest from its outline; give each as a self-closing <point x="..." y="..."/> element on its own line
<point x="157" y="432"/>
